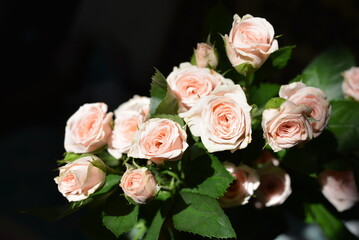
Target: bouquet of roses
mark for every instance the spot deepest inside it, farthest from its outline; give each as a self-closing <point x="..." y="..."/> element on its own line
<point x="218" y="143"/>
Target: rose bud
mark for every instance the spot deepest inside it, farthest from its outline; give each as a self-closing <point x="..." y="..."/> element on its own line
<point x="274" y="186"/>
<point x="250" y="41"/>
<point x="205" y="56"/>
<point x="287" y="126"/>
<point x="189" y="83"/>
<point x="80" y="178"/>
<point x="339" y="188"/>
<point x="159" y="139"/>
<point x="299" y="93"/>
<point x="88" y="129"/>
<point x="222" y="119"/>
<point x="128" y="116"/>
<point x="350" y="84"/>
<point x="139" y="184"/>
<point x="242" y="188"/>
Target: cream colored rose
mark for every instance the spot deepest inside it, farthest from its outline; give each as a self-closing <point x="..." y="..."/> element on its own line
<point x="205" y="56"/>
<point x="274" y="186"/>
<point x="88" y="129"/>
<point x="139" y="184"/>
<point x="339" y="188"/>
<point x="159" y="139"/>
<point x="242" y="188"/>
<point x="222" y="119"/>
<point x="79" y="179"/>
<point x="251" y="40"/>
<point x="299" y="93"/>
<point x="350" y="84"/>
<point x="127" y="118"/>
<point x="189" y="83"/>
<point x="287" y="126"/>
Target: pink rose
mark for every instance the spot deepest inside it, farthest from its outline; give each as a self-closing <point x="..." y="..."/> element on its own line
<point x="88" y="129"/>
<point x="128" y="116"/>
<point x="287" y="126"/>
<point x="159" y="139"/>
<point x="222" y="119"/>
<point x="242" y="188"/>
<point x="251" y="40"/>
<point x="266" y="158"/>
<point x="139" y="184"/>
<point x="339" y="188"/>
<point x="189" y="83"/>
<point x="80" y="178"/>
<point x="299" y="93"/>
<point x="274" y="186"/>
<point x="205" y="56"/>
<point x="350" y="84"/>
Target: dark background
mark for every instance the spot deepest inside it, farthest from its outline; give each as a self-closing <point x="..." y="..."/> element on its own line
<point x="58" y="55"/>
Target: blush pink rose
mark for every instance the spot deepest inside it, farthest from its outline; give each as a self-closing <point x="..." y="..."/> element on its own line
<point x="350" y="84"/>
<point x="339" y="188"/>
<point x="274" y="188"/>
<point x="242" y="188"/>
<point x="88" y="129"/>
<point x="139" y="184"/>
<point x="79" y="179"/>
<point x="127" y="118"/>
<point x="299" y="93"/>
<point x="222" y="119"/>
<point x="189" y="83"/>
<point x="287" y="126"/>
<point x="205" y="56"/>
<point x="159" y="139"/>
<point x="251" y="40"/>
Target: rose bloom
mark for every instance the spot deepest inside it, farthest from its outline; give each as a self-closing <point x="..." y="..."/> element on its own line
<point x="242" y="188"/>
<point x="274" y="186"/>
<point x="128" y="116"/>
<point x="287" y="126"/>
<point x="189" y="83"/>
<point x="205" y="56"/>
<point x="266" y="158"/>
<point x="159" y="139"/>
<point x="251" y="40"/>
<point x="222" y="119"/>
<point x="88" y="129"/>
<point x="299" y="93"/>
<point x="139" y="184"/>
<point x="339" y="188"/>
<point x="350" y="84"/>
<point x="80" y="178"/>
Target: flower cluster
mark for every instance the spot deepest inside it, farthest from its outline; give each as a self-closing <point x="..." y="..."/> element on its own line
<point x="212" y="139"/>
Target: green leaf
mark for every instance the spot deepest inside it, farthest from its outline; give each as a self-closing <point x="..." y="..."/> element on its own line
<point x="174" y="118"/>
<point x="169" y="105"/>
<point x="344" y="124"/>
<point x="202" y="215"/>
<point x="332" y="227"/>
<point x="112" y="180"/>
<point x="260" y="95"/>
<point x="281" y="57"/>
<point x="110" y="160"/>
<point x="274" y="103"/>
<point x="325" y="70"/>
<point x="70" y="157"/>
<point x="245" y="68"/>
<point x="158" y="90"/>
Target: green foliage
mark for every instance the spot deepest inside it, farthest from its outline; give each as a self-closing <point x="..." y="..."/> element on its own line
<point x="274" y="103"/>
<point x="245" y="68"/>
<point x="281" y="57"/>
<point x="172" y="117"/>
<point x="158" y="90"/>
<point x="261" y="94"/>
<point x="201" y="214"/>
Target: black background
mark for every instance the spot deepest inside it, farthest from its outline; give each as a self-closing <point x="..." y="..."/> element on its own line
<point x="58" y="55"/>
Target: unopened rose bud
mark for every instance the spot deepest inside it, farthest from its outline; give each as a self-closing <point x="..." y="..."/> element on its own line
<point x="205" y="56"/>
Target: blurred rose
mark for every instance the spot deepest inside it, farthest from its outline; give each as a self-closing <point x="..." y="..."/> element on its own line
<point x="88" y="129"/>
<point x="222" y="119"/>
<point x="274" y="186"/>
<point x="350" y="84"/>
<point x="242" y="188"/>
<point x="139" y="184"/>
<point x="251" y="40"/>
<point x="339" y="188"/>
<point x="128" y="116"/>
<point x="205" y="56"/>
<point x="189" y="83"/>
<point x="287" y="126"/>
<point x="299" y="93"/>
<point x="159" y="139"/>
<point x="80" y="178"/>
<point x="266" y="158"/>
